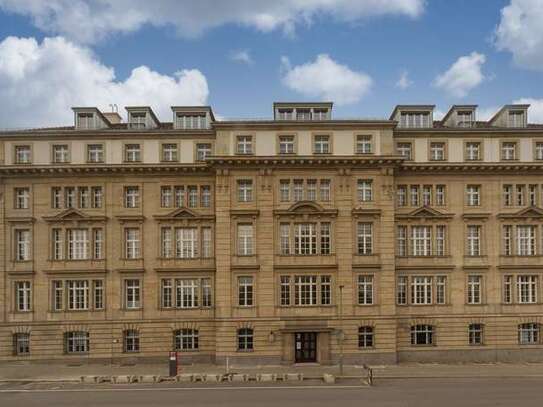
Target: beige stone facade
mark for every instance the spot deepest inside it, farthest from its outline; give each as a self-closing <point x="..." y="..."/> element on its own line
<point x="297" y="239"/>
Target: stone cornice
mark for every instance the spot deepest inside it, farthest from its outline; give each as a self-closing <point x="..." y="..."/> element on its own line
<point x="99" y="169"/>
<point x="297" y="160"/>
<point x="461" y="168"/>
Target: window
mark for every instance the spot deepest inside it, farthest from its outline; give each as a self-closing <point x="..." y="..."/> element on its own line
<point x="166" y="294"/>
<point x="324" y="190"/>
<point x="284" y="114"/>
<point x="509" y="150"/>
<point x="245" y="190"/>
<point x="298" y="190"/>
<point x="421" y="290"/>
<point x="23" y="155"/>
<point x="441" y="289"/>
<point x="326" y="290"/>
<point x="326" y="238"/>
<point x="305" y="292"/>
<point x="527" y="289"/>
<point x="464" y="118"/>
<point x="78" y="294"/>
<point x="284" y="236"/>
<point x="427" y="195"/>
<point x="421" y="237"/>
<point x="475" y="334"/>
<point x="507" y="195"/>
<point x="422" y="335"/>
<point x="56" y="197"/>
<point x="414" y="195"/>
<point x="321" y="144"/>
<point x="364" y="234"/>
<point x="23" y="296"/>
<point x="507" y="240"/>
<point x="519" y="195"/>
<point x="286" y="144"/>
<point x="22" y="244"/>
<point x="508" y="289"/>
<point x="169" y="152"/>
<point x="96" y="193"/>
<point x="244" y="145"/>
<point x="528" y="334"/>
<point x="365" y="337"/>
<point x="305" y="239"/>
<point x="401" y="240"/>
<point x="206" y="292"/>
<point x="532" y="195"/>
<point x="401" y="290"/>
<point x="132" y="294"/>
<point x="205" y="196"/>
<point x="77" y="342"/>
<point x="21" y="343"/>
<point x="474" y="240"/>
<point x="57" y="244"/>
<point x="440" y="195"/>
<point x="320" y="114"/>
<point x="473" y="195"/>
<point x="404" y="149"/>
<point x="192" y="121"/>
<point x="474" y="289"/>
<point x="284" y="190"/>
<point x="131" y="341"/>
<point x="193" y="196"/>
<point x="78" y="244"/>
<point x="132" y="243"/>
<point x="131" y="197"/>
<point x="186" y="339"/>
<point x="57" y="295"/>
<point x="186" y="245"/>
<point x="137" y="120"/>
<point x="515" y="118"/>
<point x="245" y="291"/>
<point x="61" y="153"/>
<point x="473" y="151"/>
<point x="365" y="290"/>
<point x="22" y="198"/>
<point x="187" y="293"/>
<point x="437" y="151"/>
<point x="364" y="144"/>
<point x="132" y="152"/>
<point x="401" y="195"/>
<point x="365" y="190"/>
<point x="311" y="189"/>
<point x="245" y="240"/>
<point x="526" y="242"/>
<point x="85" y="121"/>
<point x="303" y="114"/>
<point x="166" y="197"/>
<point x="284" y="290"/>
<point x="95" y="153"/>
<point x="245" y="339"/>
<point x="83" y="197"/>
<point x="203" y="150"/>
<point x="539" y="151"/>
<point x="207" y="244"/>
<point x="415" y="119"/>
<point x="98" y="287"/>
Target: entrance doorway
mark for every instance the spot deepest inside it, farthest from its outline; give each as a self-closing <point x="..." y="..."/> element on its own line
<point x="305" y="347"/>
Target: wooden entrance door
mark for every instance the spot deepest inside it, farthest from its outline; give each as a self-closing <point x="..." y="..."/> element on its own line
<point x="305" y="347"/>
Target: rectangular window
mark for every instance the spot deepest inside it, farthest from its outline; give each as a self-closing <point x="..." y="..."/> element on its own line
<point x="132" y="294"/>
<point x="131" y="197"/>
<point x="207" y="294"/>
<point x="137" y="120"/>
<point x="421" y="240"/>
<point x="539" y="151"/>
<point x="422" y="335"/>
<point x="205" y="196"/>
<point x="507" y="240"/>
<point x="441" y="289"/>
<point x="528" y="334"/>
<point x="474" y="289"/>
<point x="286" y="144"/>
<point x="186" y="339"/>
<point x="245" y="190"/>
<point x="305" y="239"/>
<point x="532" y="195"/>
<point x="78" y="295"/>
<point x="245" y="240"/>
<point x="508" y="289"/>
<point x="95" y="153"/>
<point x="527" y="289"/>
<point x="509" y="150"/>
<point x="166" y="293"/>
<point x="96" y="197"/>
<point x="245" y="291"/>
<point x="186" y="243"/>
<point x="311" y="189"/>
<point x="520" y="192"/>
<point x="404" y="149"/>
<point x="285" y="290"/>
<point x="244" y="145"/>
<point x="414" y="195"/>
<point x="321" y="144"/>
<point x="23" y="296"/>
<point x="98" y="240"/>
<point x="401" y="195"/>
<point x="132" y="152"/>
<point x="421" y="290"/>
<point x="169" y="152"/>
<point x="22" y="198"/>
<point x="77" y="342"/>
<point x="364" y="144"/>
<point x="440" y="240"/>
<point x="131" y="341"/>
<point x="132" y="243"/>
<point x="23" y="155"/>
<point x="70" y="197"/>
<point x="207" y="243"/>
<point x="56" y="197"/>
<point x="401" y="240"/>
<point x="326" y="238"/>
<point x="475" y="334"/>
<point x="415" y="119"/>
<point x="284" y="231"/>
<point x="427" y="195"/>
<point x="245" y="339"/>
<point x="305" y="292"/>
<point x="526" y="241"/>
<point x="298" y="190"/>
<point x="22" y="343"/>
<point x="98" y="287"/>
<point x="285" y="114"/>
<point x="22" y="244"/>
<point x="364" y="233"/>
<point x="78" y="244"/>
<point x="326" y="290"/>
<point x="401" y="290"/>
<point x="284" y="190"/>
<point x="365" y="290"/>
<point x="166" y="197"/>
<point x="61" y="153"/>
<point x="473" y="151"/>
<point x="84" y="198"/>
<point x="474" y="240"/>
<point x="365" y="190"/>
<point x="365" y="337"/>
<point x="203" y="150"/>
<point x="473" y="195"/>
<point x="437" y="151"/>
<point x="192" y="191"/>
<point x="440" y="195"/>
<point x="507" y="195"/>
<point x="303" y="114"/>
<point x="180" y="196"/>
<point x="57" y="295"/>
<point x="187" y="293"/>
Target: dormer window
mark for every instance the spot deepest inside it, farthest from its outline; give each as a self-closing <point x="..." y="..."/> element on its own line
<point x="23" y="154"/>
<point x="138" y="120"/>
<point x="285" y="114"/>
<point x="320" y="114"/>
<point x="464" y="119"/>
<point x="192" y="121"/>
<point x="516" y="118"/>
<point x="85" y="121"/>
<point x="415" y="119"/>
<point x="303" y="114"/>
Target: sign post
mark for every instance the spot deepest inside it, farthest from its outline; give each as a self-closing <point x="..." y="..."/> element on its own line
<point x="173" y="363"/>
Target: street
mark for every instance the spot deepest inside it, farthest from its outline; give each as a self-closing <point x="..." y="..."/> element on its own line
<point x="390" y="393"/>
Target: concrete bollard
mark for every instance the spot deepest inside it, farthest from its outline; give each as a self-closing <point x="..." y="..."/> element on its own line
<point x="329" y="378"/>
<point x="198" y="377"/>
<point x="238" y="378"/>
<point x="293" y="376"/>
<point x="213" y="377"/>
<point x="123" y="379"/>
<point x="184" y="378"/>
<point x="147" y="379"/>
<point x="266" y="377"/>
<point x="89" y="379"/>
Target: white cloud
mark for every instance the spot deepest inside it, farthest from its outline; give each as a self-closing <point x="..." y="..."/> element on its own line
<point x="535" y="112"/>
<point x="520" y="32"/>
<point x="92" y="20"/>
<point x="404" y="82"/>
<point x="39" y="82"/>
<point x="326" y="79"/>
<point x="242" y="56"/>
<point x="464" y="75"/>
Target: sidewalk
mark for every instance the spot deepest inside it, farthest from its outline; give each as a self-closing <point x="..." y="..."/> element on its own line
<point x="27" y="371"/>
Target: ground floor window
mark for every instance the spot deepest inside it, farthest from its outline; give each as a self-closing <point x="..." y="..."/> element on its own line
<point x="475" y="334"/>
<point x="186" y="339"/>
<point x="365" y="337"/>
<point x="245" y="339"/>
<point x="422" y="335"/>
<point x="21" y="342"/>
<point x="131" y="340"/>
<point x="77" y="342"/>
<point x="528" y="333"/>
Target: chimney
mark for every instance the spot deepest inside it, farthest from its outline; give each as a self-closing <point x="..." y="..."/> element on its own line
<point x="113" y="117"/>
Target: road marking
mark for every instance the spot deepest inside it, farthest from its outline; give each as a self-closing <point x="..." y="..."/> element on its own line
<point x="181" y="389"/>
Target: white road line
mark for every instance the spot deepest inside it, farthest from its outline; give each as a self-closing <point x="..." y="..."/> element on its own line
<point x="179" y="389"/>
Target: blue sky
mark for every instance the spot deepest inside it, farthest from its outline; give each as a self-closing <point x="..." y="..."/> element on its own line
<point x="449" y="52"/>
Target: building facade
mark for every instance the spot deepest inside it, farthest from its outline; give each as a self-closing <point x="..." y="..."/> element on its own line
<point x="296" y="239"/>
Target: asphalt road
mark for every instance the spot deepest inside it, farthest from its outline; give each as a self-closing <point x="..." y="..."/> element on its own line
<point x="387" y="393"/>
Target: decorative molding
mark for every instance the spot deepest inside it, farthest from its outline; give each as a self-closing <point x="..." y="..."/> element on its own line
<point x="183" y="214"/>
<point x="306" y="208"/>
<point x="425" y="212"/>
<point x="526" y="213"/>
<point x="184" y="270"/>
<point x="73" y="215"/>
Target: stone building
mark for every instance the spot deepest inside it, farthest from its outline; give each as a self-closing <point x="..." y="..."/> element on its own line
<point x="297" y="239"/>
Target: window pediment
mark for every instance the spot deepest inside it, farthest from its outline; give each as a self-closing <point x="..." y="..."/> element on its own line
<point x="531" y="212"/>
<point x="306" y="208"/>
<point x="183" y="214"/>
<point x="425" y="212"/>
<point x="70" y="215"/>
